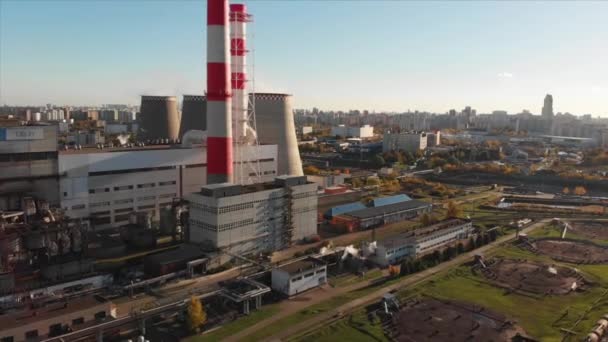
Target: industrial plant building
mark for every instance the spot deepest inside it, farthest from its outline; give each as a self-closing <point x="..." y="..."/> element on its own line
<point x="299" y="276"/>
<point x="159" y="118"/>
<point x="28" y="164"/>
<point x="421" y="241"/>
<point x="106" y="185"/>
<point x="257" y="218"/>
<point x="35" y="324"/>
<point x="275" y="126"/>
<point x="404" y="141"/>
<point x="380" y="211"/>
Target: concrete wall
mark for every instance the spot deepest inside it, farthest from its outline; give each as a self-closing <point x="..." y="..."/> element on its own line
<point x="292" y="284"/>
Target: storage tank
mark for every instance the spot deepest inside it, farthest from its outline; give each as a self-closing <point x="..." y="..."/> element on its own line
<point x="275" y="126"/>
<point x="194" y="114"/>
<point x="159" y="118"/>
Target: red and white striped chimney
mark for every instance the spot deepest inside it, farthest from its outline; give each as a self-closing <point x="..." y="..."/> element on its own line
<point x="238" y="52"/>
<point x="219" y="118"/>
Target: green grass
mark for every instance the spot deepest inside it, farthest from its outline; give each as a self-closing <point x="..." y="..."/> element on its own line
<point x="235" y="326"/>
<point x="554" y="231"/>
<point x="538" y="315"/>
<point x="355" y="328"/>
<point x="350" y="279"/>
<point x="322" y="307"/>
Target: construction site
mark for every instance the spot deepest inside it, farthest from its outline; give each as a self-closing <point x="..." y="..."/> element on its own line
<point x="572" y="251"/>
<point x="527" y="277"/>
<point x="435" y="320"/>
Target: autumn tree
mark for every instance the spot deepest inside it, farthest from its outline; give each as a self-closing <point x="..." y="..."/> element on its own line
<point x="311" y="170"/>
<point x="425" y="219"/>
<point x="196" y="314"/>
<point x="580" y="191"/>
<point x="394" y="270"/>
<point x="566" y="190"/>
<point x="453" y="210"/>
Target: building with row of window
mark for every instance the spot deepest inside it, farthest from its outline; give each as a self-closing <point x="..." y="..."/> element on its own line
<point x="421" y="241"/>
<point x="257" y="218"/>
<point x="54" y="319"/>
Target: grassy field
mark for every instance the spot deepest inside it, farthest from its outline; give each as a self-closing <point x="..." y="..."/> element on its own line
<point x="237" y="325"/>
<point x="541" y="316"/>
<point x="355" y="328"/>
<point x="555" y="231"/>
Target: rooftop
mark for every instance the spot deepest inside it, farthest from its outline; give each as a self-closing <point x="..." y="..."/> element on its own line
<point x="301" y="265"/>
<point x="29" y="316"/>
<point x="388" y="209"/>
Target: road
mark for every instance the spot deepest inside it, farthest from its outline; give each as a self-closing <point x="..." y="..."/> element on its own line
<point x="414" y="279"/>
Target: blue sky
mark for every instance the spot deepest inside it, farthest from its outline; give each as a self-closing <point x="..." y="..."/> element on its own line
<point x="393" y="55"/>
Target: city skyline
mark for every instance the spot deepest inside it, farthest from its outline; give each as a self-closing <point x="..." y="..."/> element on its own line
<point x="491" y="56"/>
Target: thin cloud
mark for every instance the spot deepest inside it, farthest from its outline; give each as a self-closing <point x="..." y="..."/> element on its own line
<point x="505" y="74"/>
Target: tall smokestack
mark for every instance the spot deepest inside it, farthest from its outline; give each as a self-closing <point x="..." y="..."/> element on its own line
<point x="219" y="118"/>
<point x="238" y="53"/>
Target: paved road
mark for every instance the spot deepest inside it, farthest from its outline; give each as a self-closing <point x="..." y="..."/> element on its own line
<point x="414" y="279"/>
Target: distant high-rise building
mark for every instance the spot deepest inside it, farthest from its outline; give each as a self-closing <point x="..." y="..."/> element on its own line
<point x="548" y="106"/>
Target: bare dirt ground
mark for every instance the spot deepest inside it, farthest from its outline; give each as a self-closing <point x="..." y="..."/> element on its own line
<point x="434" y="320"/>
<point x="590" y="229"/>
<point x="532" y="277"/>
<point x="572" y="251"/>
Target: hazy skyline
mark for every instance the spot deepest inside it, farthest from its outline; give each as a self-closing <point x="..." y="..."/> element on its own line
<point x="344" y="55"/>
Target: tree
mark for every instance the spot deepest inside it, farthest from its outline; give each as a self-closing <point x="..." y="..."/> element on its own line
<point x="472" y="245"/>
<point x="460" y="248"/>
<point x="372" y="181"/>
<point x="580" y="191"/>
<point x="356" y="182"/>
<point x="425" y="219"/>
<point x="453" y="210"/>
<point x="566" y="190"/>
<point x="196" y="314"/>
<point x="311" y="170"/>
<point x="393" y="270"/>
<point x="378" y="161"/>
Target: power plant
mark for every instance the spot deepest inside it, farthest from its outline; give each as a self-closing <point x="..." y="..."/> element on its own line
<point x="159" y="118"/>
<point x="219" y="105"/>
<point x="194" y="114"/>
<point x="274" y="118"/>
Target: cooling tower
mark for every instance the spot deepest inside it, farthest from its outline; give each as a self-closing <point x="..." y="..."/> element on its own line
<point x="194" y="114"/>
<point x="219" y="118"/>
<point x="159" y="118"/>
<point x="275" y="126"/>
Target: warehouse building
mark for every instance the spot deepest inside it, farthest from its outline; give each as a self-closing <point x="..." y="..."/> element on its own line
<point x="54" y="319"/>
<point x="106" y="185"/>
<point x="377" y="216"/>
<point x="299" y="276"/>
<point x="421" y="241"/>
<point x="257" y="218"/>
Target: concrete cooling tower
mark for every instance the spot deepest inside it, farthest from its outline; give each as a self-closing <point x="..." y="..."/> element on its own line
<point x="159" y="118"/>
<point x="275" y="126"/>
<point x="194" y="114"/>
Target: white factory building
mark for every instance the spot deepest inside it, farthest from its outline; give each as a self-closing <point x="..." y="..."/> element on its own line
<point x="404" y="141"/>
<point x="421" y="241"/>
<point x="365" y="131"/>
<point x="299" y="276"/>
<point x="106" y="185"/>
<point x="253" y="218"/>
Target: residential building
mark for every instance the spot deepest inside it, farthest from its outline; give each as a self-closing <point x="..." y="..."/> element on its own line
<point x="404" y="141"/>
<point x="365" y="131"/>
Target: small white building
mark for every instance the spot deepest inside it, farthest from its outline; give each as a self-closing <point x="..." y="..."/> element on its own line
<point x="306" y="130"/>
<point x="299" y="276"/>
<point x="365" y="131"/>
